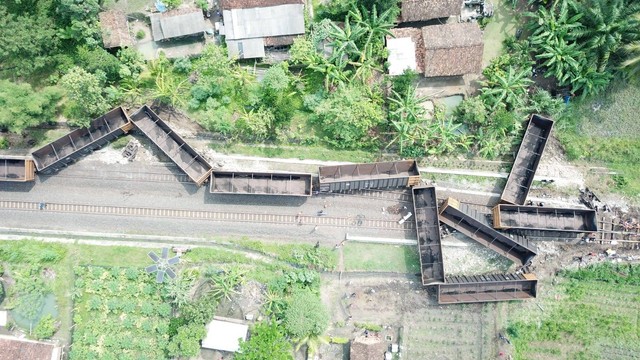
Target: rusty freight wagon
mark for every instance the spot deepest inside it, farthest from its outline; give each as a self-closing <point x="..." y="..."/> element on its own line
<point x="527" y="160"/>
<point x="425" y="207"/>
<point x="462" y="218"/>
<point x="16" y="168"/>
<point x="544" y="218"/>
<point x="80" y="142"/>
<point x="172" y="145"/>
<point x="380" y="175"/>
<point x="487" y="288"/>
<point x="260" y="183"/>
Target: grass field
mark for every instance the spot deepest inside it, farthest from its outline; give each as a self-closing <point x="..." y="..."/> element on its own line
<point x="606" y="136"/>
<point x="376" y="257"/>
<point x="591" y="314"/>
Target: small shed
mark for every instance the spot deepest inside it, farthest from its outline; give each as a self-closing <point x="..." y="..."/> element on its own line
<point x="13" y="348"/>
<point x="424" y="10"/>
<point x="115" y="29"/>
<point x="367" y="348"/>
<point x="177" y="23"/>
<point x="452" y="49"/>
<point x="250" y="25"/>
<point x="225" y="334"/>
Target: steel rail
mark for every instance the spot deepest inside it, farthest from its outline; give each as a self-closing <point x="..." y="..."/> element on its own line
<point x="354" y="221"/>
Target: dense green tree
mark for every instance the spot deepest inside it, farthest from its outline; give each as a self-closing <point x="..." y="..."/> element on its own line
<point x="267" y="342"/>
<point x="347" y="118"/>
<point x="21" y="107"/>
<point x="23" y="50"/>
<point x="305" y="315"/>
<point x="45" y="328"/>
<point x="607" y="26"/>
<point x="85" y="93"/>
<point x="170" y="89"/>
<point x="98" y="59"/>
<point x="186" y="343"/>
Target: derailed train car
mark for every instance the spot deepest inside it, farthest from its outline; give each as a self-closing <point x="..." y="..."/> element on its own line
<point x="507" y="217"/>
<point x="16" y="168"/>
<point x="380" y="175"/>
<point x="527" y="160"/>
<point x="487" y="288"/>
<point x="261" y="183"/>
<point x="81" y="142"/>
<point x="425" y="207"/>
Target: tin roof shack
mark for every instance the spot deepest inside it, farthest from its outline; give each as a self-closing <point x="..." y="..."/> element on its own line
<point x="425" y="205"/>
<point x="115" y="29"/>
<point x="380" y="175"/>
<point x="183" y="155"/>
<point x="250" y="25"/>
<point x="544" y="218"/>
<point x="288" y="184"/>
<point x="12" y="348"/>
<point x="424" y="10"/>
<point x="487" y="288"/>
<point x="369" y="347"/>
<point x="225" y="334"/>
<point x="527" y="160"/>
<point x="462" y="218"/>
<point x="438" y="50"/>
<point x="16" y="168"/>
<point x="80" y="142"/>
<point x="177" y="23"/>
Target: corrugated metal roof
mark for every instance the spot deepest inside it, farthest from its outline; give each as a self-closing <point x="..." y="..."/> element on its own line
<point x="246" y="48"/>
<point x="262" y="22"/>
<point x="402" y="55"/>
<point x="167" y="27"/>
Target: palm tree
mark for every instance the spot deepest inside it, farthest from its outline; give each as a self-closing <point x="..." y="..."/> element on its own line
<point x="407" y="117"/>
<point x="560" y="58"/>
<point x="509" y="88"/>
<point x="608" y="25"/>
<point x="376" y="26"/>
<point x="344" y="40"/>
<point x="552" y="24"/>
<point x="169" y="89"/>
<point x="632" y="63"/>
<point x="589" y="80"/>
<point x="312" y="342"/>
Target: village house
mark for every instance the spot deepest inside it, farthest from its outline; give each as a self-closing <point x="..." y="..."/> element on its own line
<point x="115" y="29"/>
<point x="177" y="23"/>
<point x="453" y="49"/>
<point x="13" y="348"/>
<point x="425" y="10"/>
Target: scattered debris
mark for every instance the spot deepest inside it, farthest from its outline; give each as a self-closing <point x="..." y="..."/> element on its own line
<point x="129" y="152"/>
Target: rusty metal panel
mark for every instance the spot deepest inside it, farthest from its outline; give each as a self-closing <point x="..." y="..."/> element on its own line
<point x="261" y="183"/>
<point x="527" y="160"/>
<point x="454" y="215"/>
<point x="80" y="142"/>
<point x="16" y="168"/>
<point x="183" y="155"/>
<point x="381" y="175"/>
<point x="544" y="218"/>
<point x="425" y="207"/>
<point x="488" y="288"/>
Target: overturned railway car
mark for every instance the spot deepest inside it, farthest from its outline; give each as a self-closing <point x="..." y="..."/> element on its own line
<point x="460" y="217"/>
<point x="16" y="169"/>
<point x="507" y="217"/>
<point x="487" y="288"/>
<point x="80" y="142"/>
<point x="260" y="183"/>
<point x="527" y="160"/>
<point x="425" y="205"/>
<point x="183" y="155"/>
<point x="380" y="175"/>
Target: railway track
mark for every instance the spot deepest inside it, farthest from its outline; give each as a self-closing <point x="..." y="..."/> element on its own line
<point x="240" y="217"/>
<point x="401" y="196"/>
<point x="126" y="176"/>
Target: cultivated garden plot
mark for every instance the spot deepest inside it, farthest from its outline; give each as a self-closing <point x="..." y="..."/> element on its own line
<point x="119" y="313"/>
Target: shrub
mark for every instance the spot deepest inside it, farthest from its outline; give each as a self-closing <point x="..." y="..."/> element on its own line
<point x="140" y="34"/>
<point x="305" y="315"/>
<point x="45" y="328"/>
